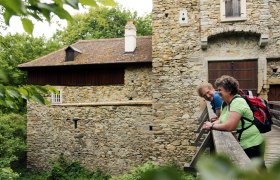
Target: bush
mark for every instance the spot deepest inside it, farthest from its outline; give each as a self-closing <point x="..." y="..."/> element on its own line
<point x="63" y="169"/>
<point x="13" y="146"/>
<point x="150" y="171"/>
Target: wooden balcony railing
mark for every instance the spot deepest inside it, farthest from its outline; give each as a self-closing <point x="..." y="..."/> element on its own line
<point x="219" y="142"/>
<point x="275" y="112"/>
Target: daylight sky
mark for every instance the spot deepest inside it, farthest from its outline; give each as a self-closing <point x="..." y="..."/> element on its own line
<point x="44" y="28"/>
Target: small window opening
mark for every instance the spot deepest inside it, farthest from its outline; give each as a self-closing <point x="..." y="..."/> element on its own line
<point x="130" y="98"/>
<point x="151" y="128"/>
<point x="274" y="70"/>
<point x="166" y="15"/>
<point x="75" y="120"/>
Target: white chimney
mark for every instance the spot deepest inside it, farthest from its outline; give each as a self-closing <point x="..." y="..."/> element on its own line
<point x="130" y="37"/>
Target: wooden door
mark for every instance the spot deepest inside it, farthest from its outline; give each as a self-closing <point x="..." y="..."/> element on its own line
<point x="246" y="72"/>
<point x="274" y="93"/>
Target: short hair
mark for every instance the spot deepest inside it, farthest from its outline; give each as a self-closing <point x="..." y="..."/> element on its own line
<point x="229" y="83"/>
<point x="203" y="85"/>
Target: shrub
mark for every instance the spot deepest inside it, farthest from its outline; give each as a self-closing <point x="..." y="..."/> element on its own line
<point x="63" y="169"/>
<point x="13" y="146"/>
<point x="151" y="171"/>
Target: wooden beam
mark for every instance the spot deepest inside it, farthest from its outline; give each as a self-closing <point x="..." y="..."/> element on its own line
<point x="274" y="103"/>
<point x="275" y="112"/>
<point x="226" y="143"/>
<point x="206" y="143"/>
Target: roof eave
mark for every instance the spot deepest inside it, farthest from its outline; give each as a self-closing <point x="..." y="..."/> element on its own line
<point x="26" y="68"/>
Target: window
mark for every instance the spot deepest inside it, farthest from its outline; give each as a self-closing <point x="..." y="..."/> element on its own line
<point x="70" y="55"/>
<point x="57" y="97"/>
<point x="233" y="10"/>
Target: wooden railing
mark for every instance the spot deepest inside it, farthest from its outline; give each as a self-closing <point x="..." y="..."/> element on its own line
<point x="219" y="142"/>
<point x="275" y="112"/>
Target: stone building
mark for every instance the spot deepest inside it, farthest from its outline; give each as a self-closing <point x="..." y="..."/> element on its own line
<point x="122" y="106"/>
<point x="200" y="40"/>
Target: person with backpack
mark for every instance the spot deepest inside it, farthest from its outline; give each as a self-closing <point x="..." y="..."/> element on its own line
<point x="231" y="118"/>
<point x="207" y="91"/>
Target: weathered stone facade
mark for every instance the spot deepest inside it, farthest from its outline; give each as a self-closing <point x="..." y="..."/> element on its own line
<point x="153" y="115"/>
<point x="181" y="54"/>
<point x="273" y="71"/>
<point x="113" y="131"/>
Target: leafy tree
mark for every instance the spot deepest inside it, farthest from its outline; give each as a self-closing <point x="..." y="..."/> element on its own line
<point x="13" y="146"/>
<point x="14" y="50"/>
<point x="42" y="10"/>
<point x="21" y="48"/>
<point x="102" y="22"/>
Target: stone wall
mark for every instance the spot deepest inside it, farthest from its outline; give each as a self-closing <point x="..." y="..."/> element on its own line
<point x="114" y="137"/>
<point x="180" y="64"/>
<point x="136" y="87"/>
<point x="175" y="76"/>
<point x="273" y="71"/>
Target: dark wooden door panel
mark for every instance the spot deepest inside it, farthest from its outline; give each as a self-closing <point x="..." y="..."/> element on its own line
<point x="246" y="72"/>
<point x="274" y="93"/>
<point x="217" y="69"/>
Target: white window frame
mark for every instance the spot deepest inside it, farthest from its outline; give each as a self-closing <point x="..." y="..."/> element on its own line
<point x="228" y="19"/>
<point x="56" y="98"/>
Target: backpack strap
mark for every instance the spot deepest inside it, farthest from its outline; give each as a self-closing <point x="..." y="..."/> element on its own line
<point x="243" y="119"/>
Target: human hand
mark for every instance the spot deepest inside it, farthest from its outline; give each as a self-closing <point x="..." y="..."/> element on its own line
<point x="213" y="119"/>
<point x="207" y="125"/>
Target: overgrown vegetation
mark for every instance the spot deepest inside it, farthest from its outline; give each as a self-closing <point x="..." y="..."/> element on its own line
<point x="63" y="169"/>
<point x="12" y="144"/>
<point x="151" y="171"/>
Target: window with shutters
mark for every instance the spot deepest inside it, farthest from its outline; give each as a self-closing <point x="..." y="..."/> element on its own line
<point x="57" y="97"/>
<point x="233" y="10"/>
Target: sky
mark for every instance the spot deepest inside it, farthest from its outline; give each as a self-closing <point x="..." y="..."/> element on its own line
<point x="44" y="28"/>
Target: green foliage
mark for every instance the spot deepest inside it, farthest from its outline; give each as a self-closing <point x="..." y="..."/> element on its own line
<point x="8" y="173"/>
<point x="14" y="97"/>
<point x="63" y="169"/>
<point x="13" y="146"/>
<point x="20" y="48"/>
<point x="144" y="25"/>
<point x="27" y="175"/>
<point x="150" y="171"/>
<point x="221" y="167"/>
<point x="41" y="10"/>
<point x="102" y="22"/>
<point x="14" y="50"/>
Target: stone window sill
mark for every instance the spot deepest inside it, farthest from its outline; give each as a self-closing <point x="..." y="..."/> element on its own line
<point x="233" y="19"/>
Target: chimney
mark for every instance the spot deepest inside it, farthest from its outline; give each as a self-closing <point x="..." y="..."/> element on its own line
<point x="130" y="37"/>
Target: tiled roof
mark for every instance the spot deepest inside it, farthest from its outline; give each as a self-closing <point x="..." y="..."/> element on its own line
<point x="101" y="51"/>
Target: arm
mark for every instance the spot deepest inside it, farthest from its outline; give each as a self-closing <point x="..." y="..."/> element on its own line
<point x="217" y="104"/>
<point x="218" y="112"/>
<point x="229" y="125"/>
